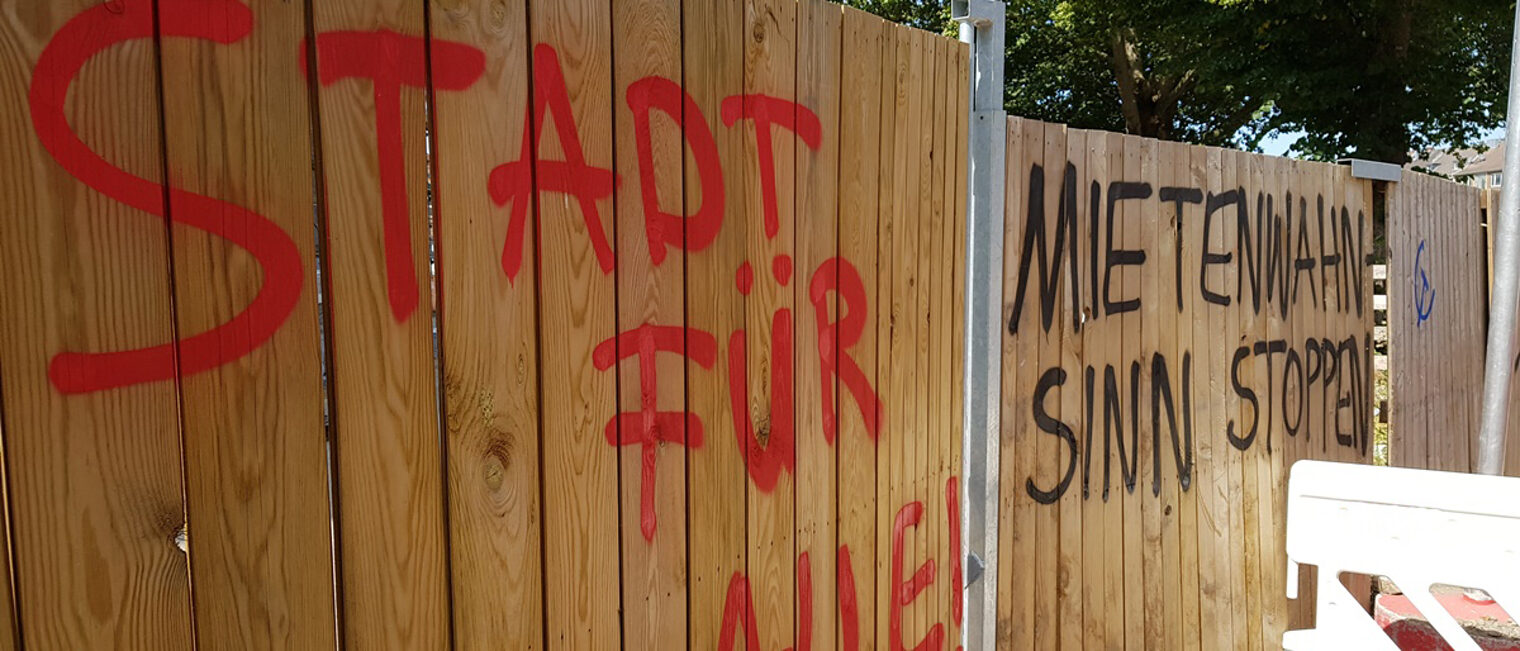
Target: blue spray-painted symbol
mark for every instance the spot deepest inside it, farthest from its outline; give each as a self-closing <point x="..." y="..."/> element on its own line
<point x="1424" y="294"/>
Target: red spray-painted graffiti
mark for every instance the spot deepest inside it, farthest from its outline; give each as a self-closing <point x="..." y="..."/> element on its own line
<point x="697" y="231"/>
<point x="86" y="35"/>
<point x="648" y="427"/>
<point x="766" y="112"/>
<point x="953" y="514"/>
<point x="739" y="608"/>
<point x="391" y="61"/>
<point x="514" y="181"/>
<point x="904" y="592"/>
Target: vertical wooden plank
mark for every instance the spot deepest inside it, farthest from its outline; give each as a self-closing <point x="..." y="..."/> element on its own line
<point x="927" y="383"/>
<point x="1102" y="562"/>
<point x="1017" y="511"/>
<point x="489" y="333"/>
<point x="1189" y="377"/>
<point x="1336" y="330"/>
<point x="1422" y="227"/>
<point x="1465" y="310"/>
<point x="255" y="450"/>
<point x="944" y="385"/>
<point x="1163" y="343"/>
<point x="1474" y="341"/>
<point x="717" y="478"/>
<point x="1049" y="450"/>
<point x="1428" y="231"/>
<point x="94" y="482"/>
<point x="1126" y="232"/>
<point x="960" y="153"/>
<point x="770" y="69"/>
<point x="1102" y="558"/>
<point x="864" y="82"/>
<point x="1411" y="422"/>
<point x="1208" y="345"/>
<point x="1071" y="355"/>
<point x="817" y="227"/>
<point x="1272" y="559"/>
<point x="897" y="47"/>
<point x="1305" y="299"/>
<point x="1419" y="228"/>
<point x="1155" y="453"/>
<point x="1249" y="375"/>
<point x="1223" y="407"/>
<point x="651" y="439"/>
<point x="1404" y="448"/>
<point x="916" y="548"/>
<point x="390" y="494"/>
<point x="577" y="312"/>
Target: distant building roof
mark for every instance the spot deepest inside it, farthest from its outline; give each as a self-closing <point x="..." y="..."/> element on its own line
<point x="1463" y="162"/>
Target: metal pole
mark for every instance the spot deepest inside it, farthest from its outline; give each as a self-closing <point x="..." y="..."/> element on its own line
<point x="1501" y="326"/>
<point x="982" y="25"/>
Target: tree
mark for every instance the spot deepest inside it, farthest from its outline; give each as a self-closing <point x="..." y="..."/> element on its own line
<point x="1373" y="78"/>
<point x="1153" y="68"/>
<point x="924" y="14"/>
<point x="1380" y="78"/>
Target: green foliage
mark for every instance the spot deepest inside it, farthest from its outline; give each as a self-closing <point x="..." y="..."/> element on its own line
<point x="1377" y="78"/>
<point x="928" y="15"/>
<point x="1067" y="59"/>
<point x="1372" y="78"/>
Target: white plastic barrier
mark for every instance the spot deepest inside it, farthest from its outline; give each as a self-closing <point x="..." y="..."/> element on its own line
<point x="1417" y="527"/>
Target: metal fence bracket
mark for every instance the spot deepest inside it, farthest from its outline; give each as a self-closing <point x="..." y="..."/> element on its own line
<point x="982" y="25"/>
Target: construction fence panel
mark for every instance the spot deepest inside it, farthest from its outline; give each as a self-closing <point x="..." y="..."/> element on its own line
<point x="537" y="324"/>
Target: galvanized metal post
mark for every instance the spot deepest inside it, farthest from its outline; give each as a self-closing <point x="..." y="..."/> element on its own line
<point x="1501" y="326"/>
<point x="982" y="24"/>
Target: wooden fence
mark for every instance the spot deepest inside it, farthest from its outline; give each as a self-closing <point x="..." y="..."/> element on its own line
<point x="1183" y="324"/>
<point x="1437" y="319"/>
<point x="617" y="322"/>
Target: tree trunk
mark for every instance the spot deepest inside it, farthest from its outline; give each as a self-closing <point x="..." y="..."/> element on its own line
<point x="1149" y="104"/>
<point x="1384" y="134"/>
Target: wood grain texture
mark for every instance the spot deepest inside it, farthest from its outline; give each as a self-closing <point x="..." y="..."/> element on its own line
<point x="921" y="610"/>
<point x="1158" y="470"/>
<point x="1070" y="355"/>
<point x="955" y="338"/>
<point x="255" y="446"/>
<point x="1125" y="282"/>
<point x="770" y="68"/>
<point x="388" y="448"/>
<point x="651" y="293"/>
<point x="865" y="84"/>
<point x="895" y="88"/>
<point x="1102" y="559"/>
<point x="488" y="330"/>
<point x="717" y="479"/>
<point x="1051" y="148"/>
<point x="94" y="479"/>
<point x="817" y="228"/>
<point x="577" y="311"/>
<point x="1192" y="377"/>
<point x="1016" y="510"/>
<point x="1163" y="341"/>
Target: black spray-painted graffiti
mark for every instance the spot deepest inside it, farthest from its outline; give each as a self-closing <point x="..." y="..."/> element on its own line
<point x="1286" y="252"/>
